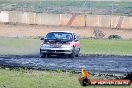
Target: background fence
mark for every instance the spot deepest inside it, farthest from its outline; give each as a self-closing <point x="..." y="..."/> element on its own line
<point x="81" y="20"/>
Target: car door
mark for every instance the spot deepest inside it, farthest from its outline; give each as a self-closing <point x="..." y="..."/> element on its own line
<point x="76" y="44"/>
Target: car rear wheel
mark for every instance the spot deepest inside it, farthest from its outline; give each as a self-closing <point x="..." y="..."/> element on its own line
<point x="72" y="55"/>
<point x="78" y="53"/>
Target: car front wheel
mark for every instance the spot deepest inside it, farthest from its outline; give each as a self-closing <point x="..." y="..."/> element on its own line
<point x="72" y="55"/>
<point x="42" y="55"/>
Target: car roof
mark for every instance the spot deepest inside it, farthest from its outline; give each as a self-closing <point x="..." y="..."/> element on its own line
<point x="62" y="31"/>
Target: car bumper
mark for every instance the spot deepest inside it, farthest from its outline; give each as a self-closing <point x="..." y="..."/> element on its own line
<point x="56" y="50"/>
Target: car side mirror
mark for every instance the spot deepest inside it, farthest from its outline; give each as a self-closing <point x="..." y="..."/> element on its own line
<point x="76" y="38"/>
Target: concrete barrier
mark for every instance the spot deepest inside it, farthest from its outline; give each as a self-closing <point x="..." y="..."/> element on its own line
<point x="64" y="18"/>
<point x="79" y="21"/>
<point x="29" y="18"/>
<point x="15" y="17"/>
<point x="98" y="20"/>
<point x="24" y="18"/>
<point x="112" y="21"/>
<point x="92" y="20"/>
<point x="72" y="20"/>
<point x="4" y="16"/>
<point x="50" y="19"/>
<point x="20" y="17"/>
<point x="127" y="22"/>
<point x="39" y="18"/>
<point x="104" y="20"/>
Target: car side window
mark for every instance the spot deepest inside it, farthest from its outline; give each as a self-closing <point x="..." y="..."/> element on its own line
<point x="75" y="38"/>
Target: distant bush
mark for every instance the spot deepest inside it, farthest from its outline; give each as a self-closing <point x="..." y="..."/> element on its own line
<point x="114" y="37"/>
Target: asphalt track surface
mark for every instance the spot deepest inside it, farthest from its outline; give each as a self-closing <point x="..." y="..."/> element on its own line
<point x="108" y="65"/>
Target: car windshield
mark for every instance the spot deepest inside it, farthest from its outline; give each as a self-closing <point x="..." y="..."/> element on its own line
<point x="63" y="36"/>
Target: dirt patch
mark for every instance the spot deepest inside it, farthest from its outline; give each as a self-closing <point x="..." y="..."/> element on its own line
<point x="21" y="30"/>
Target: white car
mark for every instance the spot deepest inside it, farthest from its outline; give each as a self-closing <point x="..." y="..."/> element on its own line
<point x="59" y="43"/>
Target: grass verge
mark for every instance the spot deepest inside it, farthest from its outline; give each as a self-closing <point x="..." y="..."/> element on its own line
<point x="19" y="46"/>
<point x="42" y="79"/>
<point x="106" y="47"/>
<point x="26" y="46"/>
